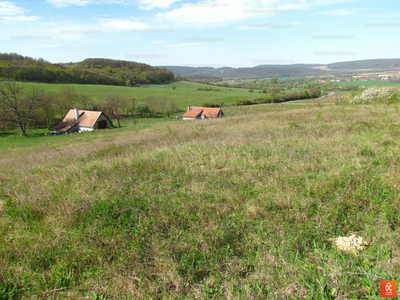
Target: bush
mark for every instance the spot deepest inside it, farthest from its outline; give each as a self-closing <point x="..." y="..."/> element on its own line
<point x="208" y="104"/>
<point x="244" y="102"/>
<point x="383" y="94"/>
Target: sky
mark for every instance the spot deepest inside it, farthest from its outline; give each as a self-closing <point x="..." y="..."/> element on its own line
<point x="210" y="33"/>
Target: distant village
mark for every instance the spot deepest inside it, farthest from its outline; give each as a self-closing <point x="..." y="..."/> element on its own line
<point x="384" y="77"/>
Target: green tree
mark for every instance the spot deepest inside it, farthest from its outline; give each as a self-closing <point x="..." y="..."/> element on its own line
<point x="142" y="108"/>
<point x="47" y="110"/>
<point x="168" y="106"/>
<point x="153" y="105"/>
<point x="67" y="98"/>
<point x="274" y="89"/>
<point x="116" y="106"/>
<point x="274" y="80"/>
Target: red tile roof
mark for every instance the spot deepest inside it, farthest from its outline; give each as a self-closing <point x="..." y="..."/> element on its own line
<point x="207" y="112"/>
<point x="86" y="118"/>
<point x="211" y="112"/>
<point x="193" y="113"/>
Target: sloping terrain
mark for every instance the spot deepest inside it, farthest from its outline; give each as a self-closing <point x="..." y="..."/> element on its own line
<point x="242" y="207"/>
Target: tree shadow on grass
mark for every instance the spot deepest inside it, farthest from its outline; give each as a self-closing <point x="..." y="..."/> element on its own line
<point x="7" y="134"/>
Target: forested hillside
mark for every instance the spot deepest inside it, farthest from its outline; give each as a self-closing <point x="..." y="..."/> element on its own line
<point x="367" y="64"/>
<point x="89" y="71"/>
<point x="263" y="71"/>
<point x="339" y="69"/>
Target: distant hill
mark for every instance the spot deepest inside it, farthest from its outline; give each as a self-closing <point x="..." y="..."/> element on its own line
<point x="185" y="71"/>
<point x="293" y="70"/>
<point x="120" y="72"/>
<point x="262" y="71"/>
<point x="203" y="78"/>
<point x="89" y="71"/>
<point x="367" y="64"/>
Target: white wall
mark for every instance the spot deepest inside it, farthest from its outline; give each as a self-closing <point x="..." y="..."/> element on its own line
<point x="102" y="118"/>
<point x="82" y="129"/>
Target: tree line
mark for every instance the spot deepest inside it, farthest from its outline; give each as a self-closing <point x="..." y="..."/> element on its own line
<point x="30" y="106"/>
<point x="276" y="97"/>
<point x="275" y="85"/>
<point x="90" y="71"/>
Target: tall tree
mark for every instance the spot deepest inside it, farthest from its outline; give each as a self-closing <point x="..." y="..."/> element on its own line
<point x="142" y="108"/>
<point x="47" y="110"/>
<point x="168" y="106"/>
<point x="67" y="98"/>
<point x="17" y="107"/>
<point x="116" y="106"/>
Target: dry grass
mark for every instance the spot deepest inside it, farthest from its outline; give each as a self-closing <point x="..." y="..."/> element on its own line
<point x="241" y="207"/>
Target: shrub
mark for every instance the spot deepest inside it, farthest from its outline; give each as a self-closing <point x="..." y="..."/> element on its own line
<point x="383" y="94"/>
<point x="244" y="102"/>
<point x="208" y="104"/>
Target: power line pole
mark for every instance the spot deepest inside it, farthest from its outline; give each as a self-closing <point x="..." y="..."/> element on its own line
<point x="134" y="111"/>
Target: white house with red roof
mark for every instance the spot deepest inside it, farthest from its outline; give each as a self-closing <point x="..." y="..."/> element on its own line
<point x="82" y="120"/>
<point x="194" y="113"/>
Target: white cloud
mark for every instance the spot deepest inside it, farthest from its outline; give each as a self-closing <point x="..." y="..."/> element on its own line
<point x="159" y="42"/>
<point x="219" y="12"/>
<point x="151" y="4"/>
<point x="210" y="13"/>
<point x="304" y="4"/>
<point x="10" y="9"/>
<point x="10" y="12"/>
<point x="258" y="26"/>
<point x="65" y="3"/>
<point x="20" y="18"/>
<point x="143" y="4"/>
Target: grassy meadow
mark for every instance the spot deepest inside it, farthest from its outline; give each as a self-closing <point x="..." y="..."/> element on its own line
<point x="243" y="207"/>
<point x="368" y="83"/>
<point x="184" y="93"/>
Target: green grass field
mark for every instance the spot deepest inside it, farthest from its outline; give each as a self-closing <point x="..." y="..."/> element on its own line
<point x="184" y="94"/>
<point x="368" y="83"/>
<point x="243" y="207"/>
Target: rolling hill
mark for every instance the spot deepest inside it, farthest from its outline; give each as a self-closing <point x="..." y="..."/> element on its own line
<point x="293" y="70"/>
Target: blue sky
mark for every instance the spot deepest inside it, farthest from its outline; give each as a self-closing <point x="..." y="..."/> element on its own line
<point x="216" y="33"/>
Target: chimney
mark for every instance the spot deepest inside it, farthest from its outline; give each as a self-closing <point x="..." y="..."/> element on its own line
<point x="76" y="113"/>
<point x="188" y="108"/>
